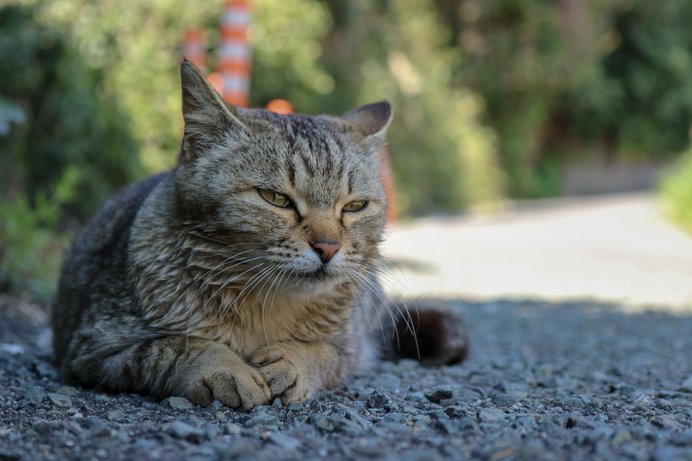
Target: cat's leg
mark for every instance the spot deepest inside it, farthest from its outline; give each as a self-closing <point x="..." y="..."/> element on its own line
<point x="295" y="370"/>
<point x="197" y="369"/>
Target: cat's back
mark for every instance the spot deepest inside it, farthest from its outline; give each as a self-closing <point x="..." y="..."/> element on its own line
<point x="95" y="266"/>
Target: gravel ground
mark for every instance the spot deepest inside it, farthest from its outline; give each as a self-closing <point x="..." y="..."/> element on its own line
<point x="576" y="380"/>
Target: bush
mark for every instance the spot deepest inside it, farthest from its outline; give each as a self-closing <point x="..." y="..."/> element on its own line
<point x="568" y="80"/>
<point x="676" y="192"/>
<point x="443" y="158"/>
<point x="54" y="114"/>
<point x="30" y="244"/>
<point x="65" y="145"/>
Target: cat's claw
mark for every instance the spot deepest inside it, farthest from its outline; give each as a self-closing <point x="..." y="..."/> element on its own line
<point x="281" y="373"/>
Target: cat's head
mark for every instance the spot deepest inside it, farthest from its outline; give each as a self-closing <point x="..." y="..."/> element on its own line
<point x="297" y="199"/>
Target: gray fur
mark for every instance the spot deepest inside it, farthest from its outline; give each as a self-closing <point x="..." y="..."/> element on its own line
<point x="190" y="283"/>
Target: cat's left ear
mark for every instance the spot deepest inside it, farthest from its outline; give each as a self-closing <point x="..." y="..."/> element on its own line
<point x="371" y="119"/>
<point x="207" y="117"/>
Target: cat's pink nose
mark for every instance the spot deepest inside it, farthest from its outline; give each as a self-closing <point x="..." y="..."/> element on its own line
<point x="325" y="249"/>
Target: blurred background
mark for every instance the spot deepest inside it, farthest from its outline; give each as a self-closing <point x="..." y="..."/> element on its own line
<point x="496" y="101"/>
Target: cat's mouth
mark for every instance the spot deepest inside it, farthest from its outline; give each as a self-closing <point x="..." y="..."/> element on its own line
<point x="316" y="275"/>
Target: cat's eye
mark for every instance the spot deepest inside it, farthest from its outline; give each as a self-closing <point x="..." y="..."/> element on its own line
<point x="355" y="205"/>
<point x="275" y="198"/>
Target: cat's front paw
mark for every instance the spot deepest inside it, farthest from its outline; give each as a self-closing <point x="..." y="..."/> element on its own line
<point x="226" y="378"/>
<point x="281" y="368"/>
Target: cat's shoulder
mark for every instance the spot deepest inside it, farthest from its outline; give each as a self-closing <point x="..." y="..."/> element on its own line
<point x="113" y="221"/>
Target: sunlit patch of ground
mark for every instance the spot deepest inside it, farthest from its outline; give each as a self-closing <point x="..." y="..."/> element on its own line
<point x="615" y="248"/>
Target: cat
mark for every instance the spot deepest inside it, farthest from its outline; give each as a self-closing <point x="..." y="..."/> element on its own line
<point x="248" y="272"/>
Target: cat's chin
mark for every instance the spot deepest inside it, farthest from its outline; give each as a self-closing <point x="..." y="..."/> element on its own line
<point x="314" y="282"/>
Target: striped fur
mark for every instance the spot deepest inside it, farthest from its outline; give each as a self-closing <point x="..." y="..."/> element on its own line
<point x="190" y="283"/>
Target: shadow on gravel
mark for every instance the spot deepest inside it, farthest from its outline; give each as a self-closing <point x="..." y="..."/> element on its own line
<point x="572" y="380"/>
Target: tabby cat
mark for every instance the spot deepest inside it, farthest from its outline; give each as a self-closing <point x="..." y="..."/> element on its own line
<point x="248" y="271"/>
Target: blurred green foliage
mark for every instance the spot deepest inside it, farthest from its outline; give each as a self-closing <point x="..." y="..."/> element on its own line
<point x="443" y="157"/>
<point x="492" y="98"/>
<point x="572" y="79"/>
<point x="31" y="243"/>
<point x="55" y="114"/>
<point x="676" y="191"/>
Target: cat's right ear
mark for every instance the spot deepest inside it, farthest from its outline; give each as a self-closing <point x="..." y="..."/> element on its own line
<point x="371" y="120"/>
<point x="208" y="119"/>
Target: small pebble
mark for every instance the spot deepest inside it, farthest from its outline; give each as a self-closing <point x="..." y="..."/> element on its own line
<point x="284" y="441"/>
<point x="11" y="348"/>
<point x="642" y="401"/>
<point x="178" y="403"/>
<point x="683" y="439"/>
<point x="60" y="400"/>
<point x="36" y="394"/>
<point x="115" y="415"/>
<point x="489" y="415"/>
<point x="325" y="424"/>
<point x="232" y="429"/>
<point x="379" y="398"/>
<point x="67" y="390"/>
<point x="621" y="436"/>
<point x="687" y="385"/>
<point x="182" y="430"/>
<point x="264" y="420"/>
<point x="439" y="393"/>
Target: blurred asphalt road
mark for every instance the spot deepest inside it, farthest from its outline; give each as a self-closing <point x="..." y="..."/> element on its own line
<point x="609" y="247"/>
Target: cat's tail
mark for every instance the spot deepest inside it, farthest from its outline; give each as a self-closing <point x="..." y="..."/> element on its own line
<point x="429" y="331"/>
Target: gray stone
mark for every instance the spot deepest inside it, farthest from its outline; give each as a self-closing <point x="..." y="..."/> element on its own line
<point x="642" y="401"/>
<point x="666" y="422"/>
<point x="683" y="439"/>
<point x="369" y="447"/>
<point x="284" y="441"/>
<point x="489" y="415"/>
<point x="211" y="431"/>
<point x="518" y="394"/>
<point x="67" y="390"/>
<point x="232" y="429"/>
<point x="115" y="415"/>
<point x="295" y="406"/>
<point x="45" y="370"/>
<point x="379" y="398"/>
<point x="181" y="430"/>
<point x="573" y="403"/>
<point x="439" y="393"/>
<point x="195" y="421"/>
<point x="241" y="450"/>
<point x="423" y="454"/>
<point x="530" y="451"/>
<point x="97" y="427"/>
<point x="265" y="420"/>
<point x="324" y="424"/>
<point x="527" y="422"/>
<point x="502" y="398"/>
<point x="178" y="403"/>
<point x="687" y="385"/>
<point x="670" y="453"/>
<point x="60" y="400"/>
<point x="345" y="425"/>
<point x="36" y="394"/>
<point x="621" y="436"/>
<point x="456" y="411"/>
<point x="601" y="433"/>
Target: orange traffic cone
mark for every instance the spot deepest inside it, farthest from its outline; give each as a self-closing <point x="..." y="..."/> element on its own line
<point x="194" y="49"/>
<point x="234" y="52"/>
